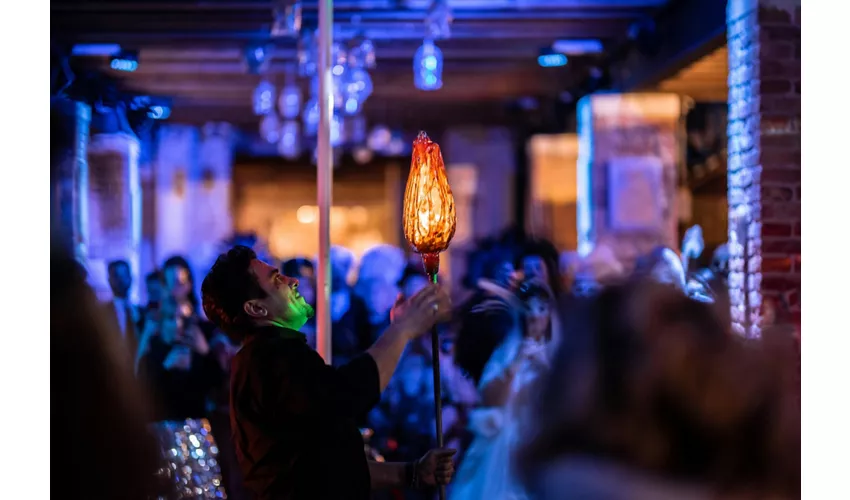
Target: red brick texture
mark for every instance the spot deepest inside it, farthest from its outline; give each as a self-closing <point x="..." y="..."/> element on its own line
<point x="764" y="164"/>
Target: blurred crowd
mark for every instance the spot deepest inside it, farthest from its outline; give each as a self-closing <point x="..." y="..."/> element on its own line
<point x="562" y="377"/>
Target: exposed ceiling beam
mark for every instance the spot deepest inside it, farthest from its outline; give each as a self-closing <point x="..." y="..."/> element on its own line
<point x="689" y="29"/>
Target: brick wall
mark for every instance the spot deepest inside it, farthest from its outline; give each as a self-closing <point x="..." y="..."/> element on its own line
<point x="764" y="162"/>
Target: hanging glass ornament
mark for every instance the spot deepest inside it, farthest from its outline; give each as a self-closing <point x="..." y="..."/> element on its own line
<point x="311" y="117"/>
<point x="361" y="53"/>
<point x="428" y="67"/>
<point x="379" y="138"/>
<point x="270" y="128"/>
<point x="287" y="18"/>
<point x="264" y="98"/>
<point x="362" y="155"/>
<point x="257" y="58"/>
<point x="290" y="140"/>
<point x="289" y="103"/>
<point x="307" y="54"/>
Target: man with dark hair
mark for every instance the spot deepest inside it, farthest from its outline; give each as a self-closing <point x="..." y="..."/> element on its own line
<point x="153" y="287"/>
<point x="124" y="315"/>
<point x="293" y="415"/>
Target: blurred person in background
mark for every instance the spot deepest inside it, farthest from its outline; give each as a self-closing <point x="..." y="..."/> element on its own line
<point x="648" y="398"/>
<point x="380" y="270"/>
<point x="179" y="283"/>
<point x="178" y="364"/>
<point x="125" y="316"/>
<point x="487" y="318"/>
<point x="153" y="290"/>
<point x="350" y="324"/>
<point x="538" y="260"/>
<point x="303" y="270"/>
<point x="506" y="393"/>
<point x="96" y="406"/>
<point x="403" y="421"/>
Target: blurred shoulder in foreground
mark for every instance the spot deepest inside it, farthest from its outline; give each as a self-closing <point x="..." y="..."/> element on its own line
<point x="651" y="397"/>
<point x="96" y="409"/>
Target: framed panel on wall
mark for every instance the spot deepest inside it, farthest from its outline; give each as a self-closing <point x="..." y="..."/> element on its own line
<point x="635" y="186"/>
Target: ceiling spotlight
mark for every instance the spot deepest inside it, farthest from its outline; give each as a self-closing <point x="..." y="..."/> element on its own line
<point x="548" y="58"/>
<point x="126" y="60"/>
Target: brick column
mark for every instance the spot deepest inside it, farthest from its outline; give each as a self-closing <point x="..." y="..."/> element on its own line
<point x="764" y="162"/>
<point x="114" y="207"/>
<point x="626" y="177"/>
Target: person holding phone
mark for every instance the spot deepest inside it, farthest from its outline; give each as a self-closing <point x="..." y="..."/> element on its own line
<point x="177" y="362"/>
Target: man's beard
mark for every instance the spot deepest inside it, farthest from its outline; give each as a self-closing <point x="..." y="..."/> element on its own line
<point x="309" y="311"/>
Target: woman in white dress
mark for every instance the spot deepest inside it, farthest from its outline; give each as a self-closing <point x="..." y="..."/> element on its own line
<point x="505" y="391"/>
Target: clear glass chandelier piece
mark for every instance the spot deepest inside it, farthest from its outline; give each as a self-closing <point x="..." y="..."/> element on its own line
<point x="258" y="56"/>
<point x="307" y="54"/>
<point x="263" y="99"/>
<point x="270" y="128"/>
<point x="311" y="117"/>
<point x="428" y="67"/>
<point x="289" y="146"/>
<point x="287" y="18"/>
<point x="289" y="102"/>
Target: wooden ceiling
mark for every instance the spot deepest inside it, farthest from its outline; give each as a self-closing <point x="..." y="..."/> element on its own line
<point x="192" y="51"/>
<point x="704" y="80"/>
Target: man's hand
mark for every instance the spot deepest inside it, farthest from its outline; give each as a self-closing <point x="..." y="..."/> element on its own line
<point x="436" y="468"/>
<point x="419" y="313"/>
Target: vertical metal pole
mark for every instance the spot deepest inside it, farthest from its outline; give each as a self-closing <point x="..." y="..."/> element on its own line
<point x="438" y="390"/>
<point x="325" y="180"/>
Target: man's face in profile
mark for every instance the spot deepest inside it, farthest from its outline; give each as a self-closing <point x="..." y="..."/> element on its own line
<point x="283" y="303"/>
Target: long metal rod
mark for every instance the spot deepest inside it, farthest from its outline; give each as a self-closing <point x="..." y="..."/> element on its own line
<point x="438" y="390"/>
<point x="324" y="164"/>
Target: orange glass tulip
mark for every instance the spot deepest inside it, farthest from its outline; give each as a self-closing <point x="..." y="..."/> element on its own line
<point x="429" y="207"/>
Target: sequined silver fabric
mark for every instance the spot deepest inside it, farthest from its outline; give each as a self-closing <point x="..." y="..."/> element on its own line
<point x="190" y="460"/>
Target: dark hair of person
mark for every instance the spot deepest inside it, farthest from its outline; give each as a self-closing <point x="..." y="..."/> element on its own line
<point x="546" y="250"/>
<point x="180" y="261"/>
<point x="297" y="268"/>
<point x="96" y="405"/>
<point x="649" y="379"/>
<point x="229" y="284"/>
<point x="153" y="276"/>
<point x="411" y="271"/>
<point x="114" y="264"/>
<point x="530" y="289"/>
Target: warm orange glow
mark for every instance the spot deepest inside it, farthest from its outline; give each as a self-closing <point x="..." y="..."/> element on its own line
<point x="429" y="207"/>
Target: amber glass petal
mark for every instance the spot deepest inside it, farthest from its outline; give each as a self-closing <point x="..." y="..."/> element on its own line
<point x="429" y="207"/>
